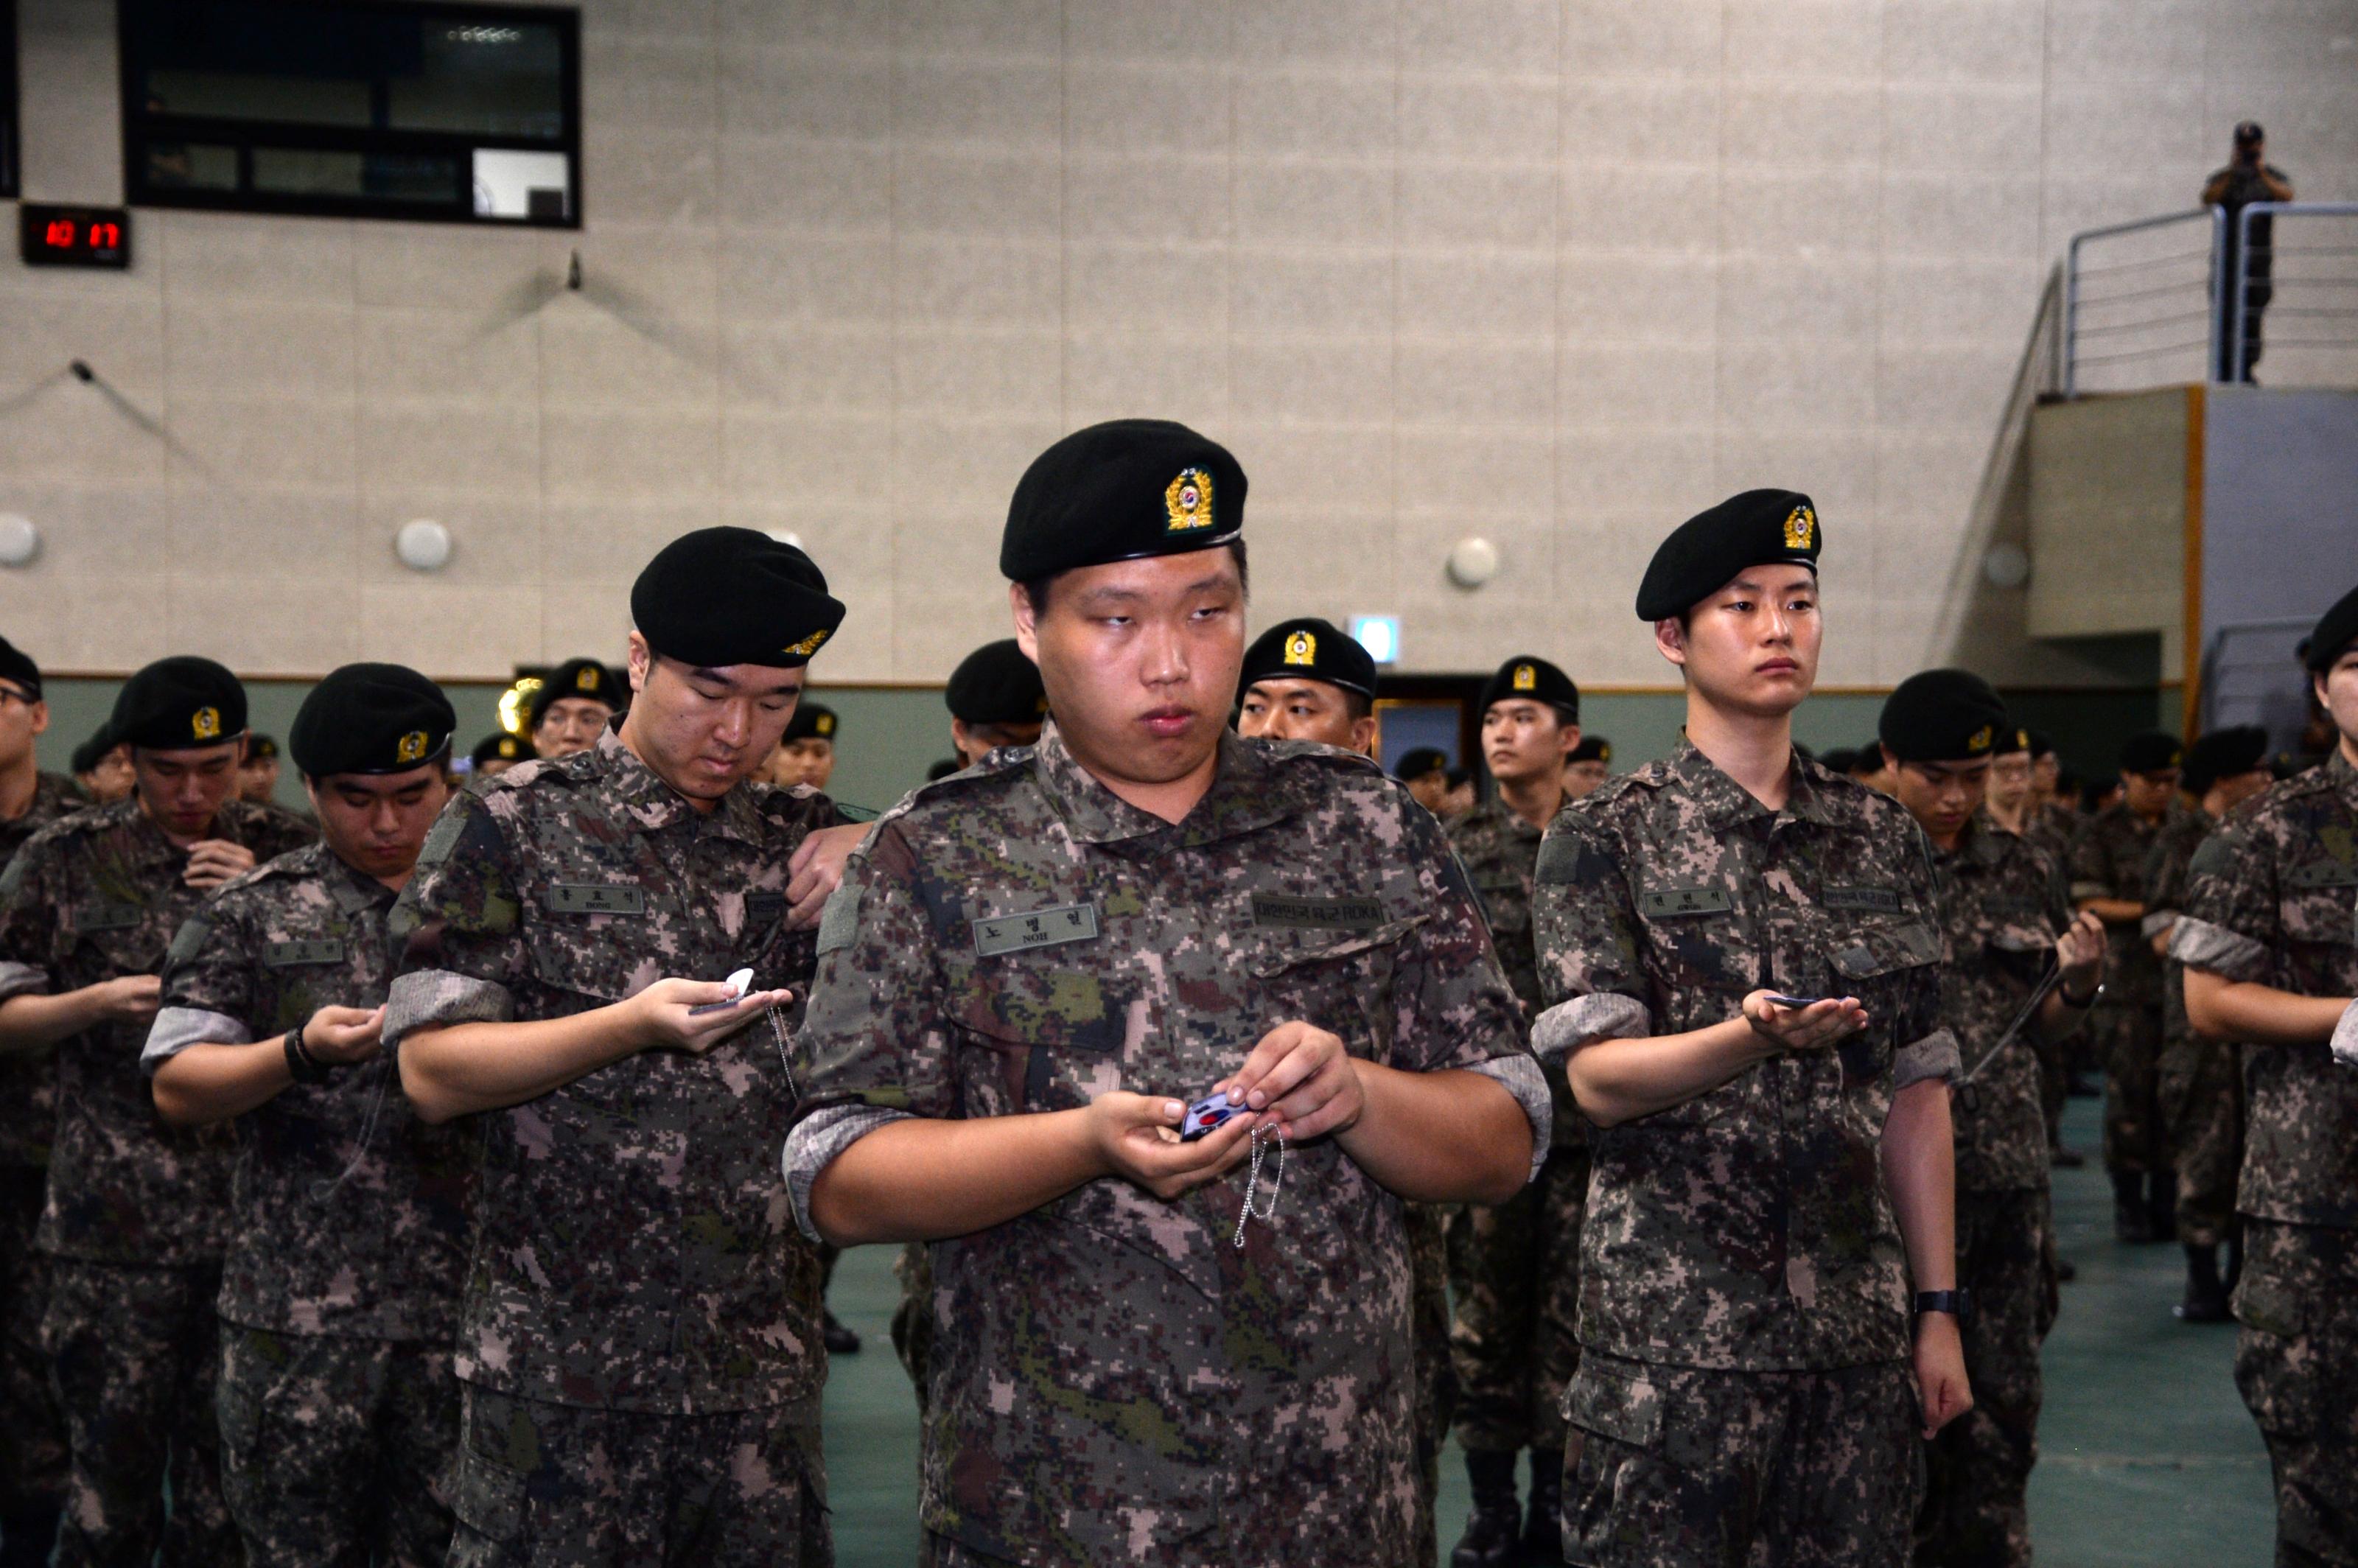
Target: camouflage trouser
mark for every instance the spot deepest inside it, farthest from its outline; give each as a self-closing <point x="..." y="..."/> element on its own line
<point x="546" y="1486"/>
<point x="912" y="1320"/>
<point x="2054" y="1081"/>
<point x="2202" y="1114"/>
<point x="134" y="1355"/>
<point x="2297" y="1367"/>
<point x="1519" y="1303"/>
<point x="336" y="1452"/>
<point x="1677" y="1467"/>
<point x="32" y="1432"/>
<point x="2128" y="1040"/>
<point x="1974" y="1514"/>
<point x="1436" y="1378"/>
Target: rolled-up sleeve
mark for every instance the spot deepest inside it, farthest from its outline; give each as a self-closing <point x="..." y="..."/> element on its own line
<point x="456" y="929"/>
<point x="815" y="1143"/>
<point x="1936" y="1055"/>
<point x="2233" y="925"/>
<point x="2199" y="944"/>
<point x="178" y="1028"/>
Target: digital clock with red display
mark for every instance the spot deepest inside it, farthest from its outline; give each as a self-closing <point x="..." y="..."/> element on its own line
<point x="74" y="236"/>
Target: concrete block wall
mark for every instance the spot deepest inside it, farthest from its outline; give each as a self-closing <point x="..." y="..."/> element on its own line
<point x="1553" y="272"/>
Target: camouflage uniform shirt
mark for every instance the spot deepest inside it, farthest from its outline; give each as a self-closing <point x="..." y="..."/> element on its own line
<point x="2273" y="900"/>
<point x="2003" y="910"/>
<point x="95" y="897"/>
<point x="28" y="1084"/>
<point x="634" y="1248"/>
<point x="348" y="1213"/>
<point x="1126" y="1385"/>
<point x="1500" y="853"/>
<point x="1748" y="1229"/>
<point x="2167" y="879"/>
<point x="2109" y="860"/>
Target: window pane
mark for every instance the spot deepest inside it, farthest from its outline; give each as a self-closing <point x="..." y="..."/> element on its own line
<point x="282" y="100"/>
<point x="191" y="165"/>
<point x="519" y="185"/>
<point x="302" y="171"/>
<point x="485" y="81"/>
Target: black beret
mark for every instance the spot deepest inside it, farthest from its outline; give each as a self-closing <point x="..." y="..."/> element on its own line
<point x="1703" y="554"/>
<point x="950" y="765"/>
<point x="88" y="755"/>
<point x="1943" y="716"/>
<point x="733" y="596"/>
<point x="1419" y="761"/>
<point x="2335" y="630"/>
<point x="2042" y="744"/>
<point x="501" y="748"/>
<point x="1592" y="749"/>
<point x="1120" y="491"/>
<point x="996" y="684"/>
<point x="1458" y="777"/>
<point x="2013" y="740"/>
<point x="261" y="748"/>
<point x="1525" y="675"/>
<point x="2222" y="754"/>
<point x="179" y="704"/>
<point x="812" y="721"/>
<point x="370" y="719"/>
<point x="578" y="678"/>
<point x="18" y="666"/>
<point x="1838" y="759"/>
<point x="2152" y="752"/>
<point x="1310" y="649"/>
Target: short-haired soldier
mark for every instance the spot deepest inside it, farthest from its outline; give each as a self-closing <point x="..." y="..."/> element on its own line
<point x="1165" y="1349"/>
<point x="348" y="1215"/>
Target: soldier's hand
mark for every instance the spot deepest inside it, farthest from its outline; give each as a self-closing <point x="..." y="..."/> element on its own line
<point x="1941" y="1383"/>
<point x="2081" y="953"/>
<point x="1302" y="1080"/>
<point x="667" y="1020"/>
<point x="1810" y="1028"/>
<point x="1137" y="1139"/>
<point x="344" y="1034"/>
<point x="816" y="870"/>
<point x="212" y="862"/>
<point x="128" y="998"/>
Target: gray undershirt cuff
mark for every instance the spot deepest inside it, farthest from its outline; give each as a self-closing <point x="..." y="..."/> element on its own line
<point x="2345" y="1037"/>
<point x="2199" y="945"/>
<point x="1520" y="1076"/>
<point x="434" y="998"/>
<point x="178" y="1028"/>
<point x="2155" y="923"/>
<point x="813" y="1144"/>
<point x="21" y="980"/>
<point x="1934" y="1056"/>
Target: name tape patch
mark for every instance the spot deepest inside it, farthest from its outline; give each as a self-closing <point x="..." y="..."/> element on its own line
<point x="292" y="955"/>
<point x="596" y="898"/>
<point x="1317" y="914"/>
<point x="2322" y="874"/>
<point x="1041" y="928"/>
<point x="1656" y="903"/>
<point x="1883" y="901"/>
<point x="109" y="917"/>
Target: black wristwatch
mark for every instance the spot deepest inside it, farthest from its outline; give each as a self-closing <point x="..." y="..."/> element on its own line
<point x="1958" y="1304"/>
<point x="2079" y="1004"/>
<point x="304" y="1067"/>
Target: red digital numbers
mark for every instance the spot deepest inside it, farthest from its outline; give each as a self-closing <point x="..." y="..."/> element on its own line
<point x="105" y="236"/>
<point x="60" y="235"/>
<point x="73" y="236"/>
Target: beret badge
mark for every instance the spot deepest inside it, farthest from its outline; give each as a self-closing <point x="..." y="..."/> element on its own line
<point x="205" y="723"/>
<point x="1800" y="528"/>
<point x="809" y="644"/>
<point x="1525" y="679"/>
<point x="1189" y="502"/>
<point x="411" y="748"/>
<point x="1983" y="739"/>
<point x="1302" y="648"/>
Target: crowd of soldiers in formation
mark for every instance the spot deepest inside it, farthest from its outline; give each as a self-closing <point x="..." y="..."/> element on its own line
<point x="403" y="1183"/>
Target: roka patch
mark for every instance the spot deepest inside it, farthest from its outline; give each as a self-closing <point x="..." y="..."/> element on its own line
<point x="1317" y="914"/>
<point x="1880" y="901"/>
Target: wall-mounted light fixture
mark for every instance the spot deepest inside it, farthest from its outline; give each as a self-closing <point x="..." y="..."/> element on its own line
<point x="423" y="546"/>
<point x="20" y="541"/>
<point x="2006" y="565"/>
<point x="1473" y="562"/>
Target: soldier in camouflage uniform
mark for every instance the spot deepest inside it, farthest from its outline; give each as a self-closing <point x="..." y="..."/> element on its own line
<point x="1028" y="956"/>
<point x="639" y="1335"/>
<point x="2202" y="1080"/>
<point x="136" y="1212"/>
<point x="32" y="1433"/>
<point x="2108" y="866"/>
<point x="2270" y="942"/>
<point x="1519" y="1292"/>
<point x="339" y="1415"/>
<point x="1310" y="680"/>
<point x="1741" y="953"/>
<point x="2009" y="927"/>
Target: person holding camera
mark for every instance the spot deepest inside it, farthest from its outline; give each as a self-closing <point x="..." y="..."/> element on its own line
<point x="2248" y="178"/>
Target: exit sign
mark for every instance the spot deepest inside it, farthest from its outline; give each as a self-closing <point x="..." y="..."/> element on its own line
<point x="74" y="236"/>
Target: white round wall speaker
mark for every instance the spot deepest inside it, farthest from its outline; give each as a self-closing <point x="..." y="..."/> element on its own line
<point x="423" y="546"/>
<point x="1473" y="562"/>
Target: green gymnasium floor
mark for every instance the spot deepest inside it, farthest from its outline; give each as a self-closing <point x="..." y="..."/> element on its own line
<point x="2147" y="1458"/>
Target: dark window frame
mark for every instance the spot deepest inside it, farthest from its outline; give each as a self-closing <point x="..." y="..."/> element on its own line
<point x="140" y="127"/>
<point x="12" y="94"/>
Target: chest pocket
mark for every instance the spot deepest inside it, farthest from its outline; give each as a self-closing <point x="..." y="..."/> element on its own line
<point x="2320" y="903"/>
<point x="2020" y="947"/>
<point x="1337" y="981"/>
<point x="596" y="939"/>
<point x="1039" y="1037"/>
<point x="1700" y="948"/>
<point x="1506" y="903"/>
<point x="132" y="940"/>
<point x="1878" y="965"/>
